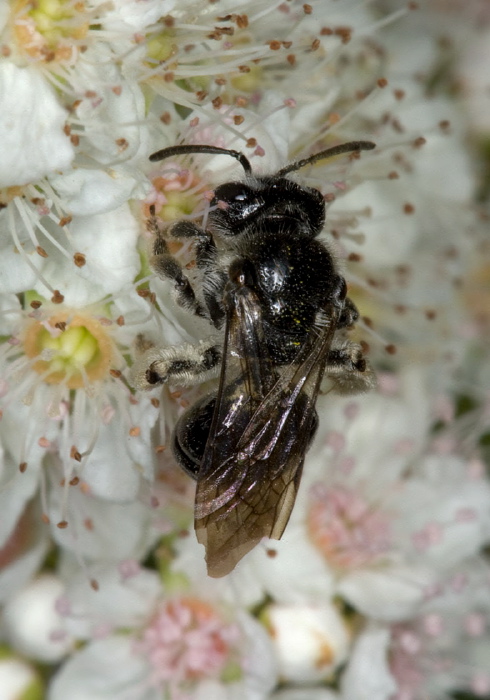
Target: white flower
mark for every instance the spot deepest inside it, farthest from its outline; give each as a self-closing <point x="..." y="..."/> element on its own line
<point x="31" y="623"/>
<point x="19" y="680"/>
<point x="442" y="650"/>
<point x="310" y="641"/>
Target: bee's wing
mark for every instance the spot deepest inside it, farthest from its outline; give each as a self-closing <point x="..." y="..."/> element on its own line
<point x="262" y="426"/>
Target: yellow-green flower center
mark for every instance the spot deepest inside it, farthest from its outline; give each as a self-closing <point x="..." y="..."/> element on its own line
<point x="73" y="352"/>
<point x="46" y="29"/>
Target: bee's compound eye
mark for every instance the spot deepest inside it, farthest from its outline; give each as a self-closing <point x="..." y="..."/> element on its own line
<point x="233" y="192"/>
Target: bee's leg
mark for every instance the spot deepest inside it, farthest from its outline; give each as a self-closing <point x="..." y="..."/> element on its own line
<point x="185" y="365"/>
<point x="348" y="369"/>
<point x="207" y="261"/>
<point x="166" y="267"/>
<point x="349" y="315"/>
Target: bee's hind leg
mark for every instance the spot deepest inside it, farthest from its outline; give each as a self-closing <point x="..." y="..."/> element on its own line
<point x="184" y="365"/>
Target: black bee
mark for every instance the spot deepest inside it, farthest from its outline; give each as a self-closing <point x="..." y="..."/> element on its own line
<point x="265" y="277"/>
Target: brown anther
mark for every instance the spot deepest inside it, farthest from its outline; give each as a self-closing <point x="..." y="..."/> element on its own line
<point x="40" y="251"/>
<point x="175" y="394"/>
<point x="75" y="454"/>
<point x="220" y="81"/>
<point x="315" y="44"/>
<point x="382" y="82"/>
<point x="393" y="175"/>
<point x="274" y="45"/>
<point x="75" y="140"/>
<point x="354" y="257"/>
<point x="67" y="130"/>
<point x="45" y="519"/>
<point x="135" y="431"/>
<point x="241" y="21"/>
<point x="333" y="118"/>
<point x="238" y="119"/>
<point x="399" y="94"/>
<point x="244" y="69"/>
<point x="160" y="448"/>
<point x="408" y="208"/>
<point x="291" y="59"/>
<point x="65" y="220"/>
<point x="413" y="5"/>
<point x="88" y="524"/>
<point x="115" y="373"/>
<point x="79" y="259"/>
<point x="75" y="481"/>
<point x="217" y="102"/>
<point x="36" y="304"/>
<point x="168" y="77"/>
<point x="122" y="144"/>
<point x="326" y="31"/>
<point x="367" y="321"/>
<point x="63" y="524"/>
<point x="329" y="197"/>
<point x="5" y="50"/>
<point x="251" y="143"/>
<point x="307" y="9"/>
<point x="365" y="347"/>
<point x="400" y="309"/>
<point x="57" y="297"/>
<point x="201" y="95"/>
<point x="287" y="44"/>
<point x="60" y="325"/>
<point x="155" y="403"/>
<point x="444" y="124"/>
<point x="94" y="584"/>
<point x="345" y="34"/>
<point x="241" y="101"/>
<point x="22" y="467"/>
<point x="144" y="293"/>
<point x="169" y="21"/>
<point x="184" y="403"/>
<point x="120" y="320"/>
<point x="117" y="90"/>
<point x="430" y="314"/>
<point x="390" y="349"/>
<point x="271" y="553"/>
<point x="165" y="118"/>
<point x="419" y="142"/>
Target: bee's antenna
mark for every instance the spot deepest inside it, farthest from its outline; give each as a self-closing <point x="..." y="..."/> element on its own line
<point x="349" y="147"/>
<point x="180" y="150"/>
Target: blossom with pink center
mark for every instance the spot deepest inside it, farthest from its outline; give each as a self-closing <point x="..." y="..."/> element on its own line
<point x="346" y="528"/>
<point x="187" y="641"/>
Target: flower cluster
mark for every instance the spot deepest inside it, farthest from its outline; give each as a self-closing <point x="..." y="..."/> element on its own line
<point x="379" y="588"/>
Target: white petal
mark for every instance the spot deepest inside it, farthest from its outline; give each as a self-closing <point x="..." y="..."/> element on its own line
<point x="134" y="15"/>
<point x="32" y="142"/>
<point x="119" y="602"/>
<point x="119" y="531"/>
<point x="393" y="593"/>
<point x="108" y="242"/>
<point x="104" y="670"/>
<point x="367" y="676"/>
<point x="88" y="192"/>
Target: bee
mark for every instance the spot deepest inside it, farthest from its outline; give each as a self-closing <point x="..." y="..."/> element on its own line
<point x="274" y="291"/>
